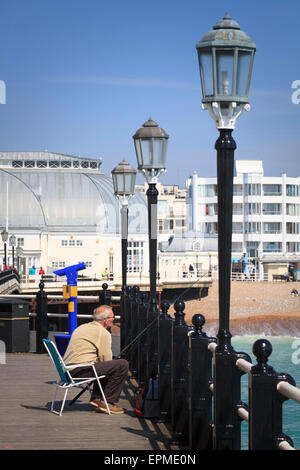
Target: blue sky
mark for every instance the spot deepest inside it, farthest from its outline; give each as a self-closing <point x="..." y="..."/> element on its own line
<point x="82" y="76"/>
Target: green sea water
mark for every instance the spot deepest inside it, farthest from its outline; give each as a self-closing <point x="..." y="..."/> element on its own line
<point x="285" y="358"/>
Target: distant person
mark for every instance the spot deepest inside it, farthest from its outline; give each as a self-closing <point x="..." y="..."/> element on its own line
<point x="91" y="342"/>
<point x="32" y="271"/>
<point x="184" y="271"/>
<point x="105" y="274"/>
<point x="191" y="269"/>
<point x="41" y="271"/>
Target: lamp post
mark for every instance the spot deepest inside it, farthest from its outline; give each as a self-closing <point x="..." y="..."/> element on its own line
<point x="151" y="143"/>
<point x="19" y="252"/>
<point x="225" y="57"/>
<point x="4" y="236"/>
<point x="12" y="243"/>
<point x="123" y="176"/>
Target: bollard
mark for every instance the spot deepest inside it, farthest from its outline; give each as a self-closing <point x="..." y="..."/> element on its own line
<point x="200" y="377"/>
<point x="134" y="331"/>
<point x="179" y="376"/>
<point x="41" y="318"/>
<point x="265" y="402"/>
<point x="105" y="295"/>
<point x="227" y="395"/>
<point x="142" y="342"/>
<point x="164" y="361"/>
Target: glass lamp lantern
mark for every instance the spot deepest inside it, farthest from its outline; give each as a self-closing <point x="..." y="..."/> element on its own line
<point x="4" y="236"/>
<point x="151" y="144"/>
<point x="12" y="240"/>
<point x="226" y="56"/>
<point x="123" y="176"/>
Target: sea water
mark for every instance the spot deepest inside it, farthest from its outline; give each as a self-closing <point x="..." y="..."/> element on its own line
<point x="285" y="358"/>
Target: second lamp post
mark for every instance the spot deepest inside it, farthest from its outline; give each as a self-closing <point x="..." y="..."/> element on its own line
<point x="151" y="143"/>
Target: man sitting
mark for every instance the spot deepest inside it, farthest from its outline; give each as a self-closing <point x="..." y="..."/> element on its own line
<point x="91" y="342"/>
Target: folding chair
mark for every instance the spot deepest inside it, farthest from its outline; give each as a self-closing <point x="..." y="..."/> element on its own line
<point x="66" y="380"/>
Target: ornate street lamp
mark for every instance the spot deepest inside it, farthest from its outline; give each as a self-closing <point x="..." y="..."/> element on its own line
<point x="12" y="243"/>
<point x="4" y="236"/>
<point x="123" y="176"/>
<point x="226" y="57"/>
<point x="19" y="253"/>
<point x="151" y="143"/>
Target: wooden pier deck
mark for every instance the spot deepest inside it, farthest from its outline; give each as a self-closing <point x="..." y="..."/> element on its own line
<point x="26" y="391"/>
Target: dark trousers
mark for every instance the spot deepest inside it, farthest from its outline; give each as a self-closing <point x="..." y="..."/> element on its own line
<point x="116" y="373"/>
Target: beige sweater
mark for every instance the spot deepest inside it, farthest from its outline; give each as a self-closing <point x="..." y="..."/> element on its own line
<point x="90" y="342"/>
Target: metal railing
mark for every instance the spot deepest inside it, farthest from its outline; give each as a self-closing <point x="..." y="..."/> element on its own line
<point x="199" y="383"/>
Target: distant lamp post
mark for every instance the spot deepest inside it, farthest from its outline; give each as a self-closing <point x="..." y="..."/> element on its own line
<point x="226" y="57"/>
<point x="4" y="236"/>
<point x="111" y="253"/>
<point x="151" y="143"/>
<point x="12" y="243"/>
<point x="19" y="253"/>
<point x="123" y="176"/>
<point x="209" y="263"/>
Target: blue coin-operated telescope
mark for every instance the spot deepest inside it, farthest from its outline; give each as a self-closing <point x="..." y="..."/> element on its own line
<point x="70" y="293"/>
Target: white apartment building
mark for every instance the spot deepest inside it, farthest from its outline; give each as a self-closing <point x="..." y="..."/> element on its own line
<point x="171" y="209"/>
<point x="266" y="215"/>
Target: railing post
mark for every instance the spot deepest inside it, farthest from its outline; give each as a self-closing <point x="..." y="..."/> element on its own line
<point x="227" y="396"/>
<point x="164" y="361"/>
<point x="179" y="376"/>
<point x="265" y="402"/>
<point x="41" y="318"/>
<point x="105" y="295"/>
<point x="134" y="330"/>
<point x="142" y="342"/>
<point x="200" y="395"/>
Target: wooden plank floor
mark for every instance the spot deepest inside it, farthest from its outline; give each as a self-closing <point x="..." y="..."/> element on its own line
<point x="26" y="392"/>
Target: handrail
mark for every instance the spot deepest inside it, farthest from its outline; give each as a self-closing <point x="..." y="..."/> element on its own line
<point x="284" y="445"/>
<point x="244" y="365"/>
<point x="289" y="391"/>
<point x="65" y="315"/>
<point x="244" y="414"/>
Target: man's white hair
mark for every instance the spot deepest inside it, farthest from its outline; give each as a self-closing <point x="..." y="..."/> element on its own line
<point x="102" y="312"/>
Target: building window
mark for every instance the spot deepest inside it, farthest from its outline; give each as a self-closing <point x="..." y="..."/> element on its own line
<point x="272" y="209"/>
<point x="41" y="164"/>
<point x="20" y="241"/>
<point x="135" y="257"/>
<point x="85" y="165"/>
<point x="79" y="243"/>
<point x="292" y="227"/>
<point x="253" y="208"/>
<point x="272" y="247"/>
<point x="93" y="165"/>
<point x="252" y="189"/>
<point x="237" y="209"/>
<point x="71" y="242"/>
<point x="207" y="190"/>
<point x="64" y="242"/>
<point x="293" y="247"/>
<point x="237" y="247"/>
<point x="211" y="228"/>
<point x="54" y="164"/>
<point x="237" y="227"/>
<point x="76" y="164"/>
<point x="293" y="209"/>
<point x="17" y="163"/>
<point x="274" y="227"/>
<point x="237" y="189"/>
<point x="30" y="164"/>
<point x="292" y="190"/>
<point x="252" y="227"/>
<point x="58" y="264"/>
<point x="66" y="164"/>
<point x="272" y="189"/>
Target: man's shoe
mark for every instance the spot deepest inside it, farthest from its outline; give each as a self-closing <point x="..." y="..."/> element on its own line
<point x="114" y="409"/>
<point x="97" y="403"/>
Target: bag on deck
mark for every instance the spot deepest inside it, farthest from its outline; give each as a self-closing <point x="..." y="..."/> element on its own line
<point x="146" y="404"/>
